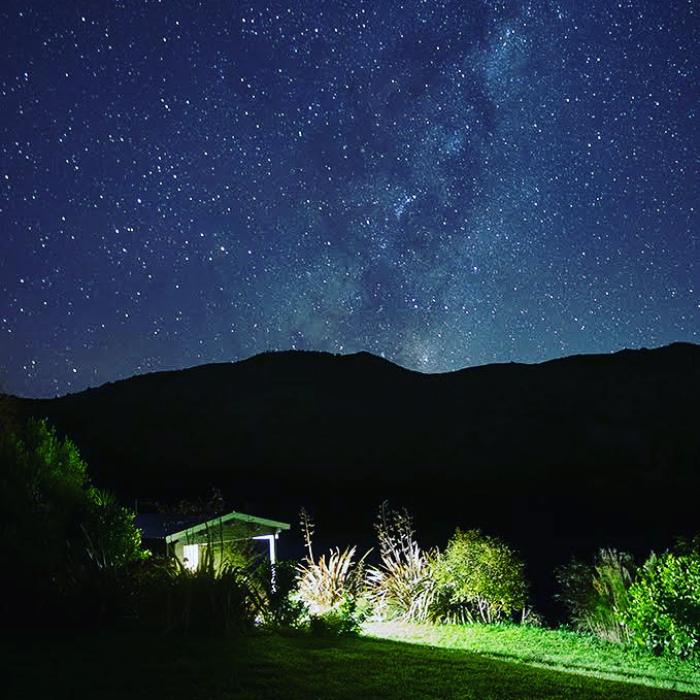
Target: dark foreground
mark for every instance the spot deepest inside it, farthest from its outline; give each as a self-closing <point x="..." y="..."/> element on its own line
<point x="263" y="667"/>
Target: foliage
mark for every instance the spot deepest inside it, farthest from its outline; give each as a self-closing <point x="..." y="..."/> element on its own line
<point x="330" y="580"/>
<point x="56" y="528"/>
<point x="274" y="591"/>
<point x="111" y="538"/>
<point x="170" y="599"/>
<point x="326" y="582"/>
<point x="221" y="600"/>
<point x="688" y="546"/>
<point x="41" y="500"/>
<point x="211" y="505"/>
<point x="402" y="586"/>
<point x="10" y="414"/>
<point x="664" y="604"/>
<point x="478" y="578"/>
<point x="42" y="490"/>
<point x="597" y="595"/>
<point x="344" y="620"/>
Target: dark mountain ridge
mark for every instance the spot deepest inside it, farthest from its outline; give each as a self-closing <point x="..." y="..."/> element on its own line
<point x="634" y="412"/>
<point x="579" y="452"/>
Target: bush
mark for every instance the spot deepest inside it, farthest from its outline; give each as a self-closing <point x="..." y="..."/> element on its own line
<point x="57" y="530"/>
<point x="597" y="595"/>
<point x="663" y="614"/>
<point x="276" y="596"/>
<point x="402" y="586"/>
<point x="479" y="578"/>
<point x="112" y="540"/>
<point x="42" y="500"/>
<point x="345" y="620"/>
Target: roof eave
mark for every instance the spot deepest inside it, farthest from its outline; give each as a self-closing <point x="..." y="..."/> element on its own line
<point x="221" y="520"/>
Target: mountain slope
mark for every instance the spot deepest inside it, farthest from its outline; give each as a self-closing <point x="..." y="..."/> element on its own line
<point x="583" y="449"/>
<point x="632" y="410"/>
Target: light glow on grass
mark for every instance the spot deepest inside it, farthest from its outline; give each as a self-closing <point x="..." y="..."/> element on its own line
<point x="559" y="650"/>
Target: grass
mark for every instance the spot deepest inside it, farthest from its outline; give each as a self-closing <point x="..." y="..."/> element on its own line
<point x="560" y="650"/>
<point x="266" y="667"/>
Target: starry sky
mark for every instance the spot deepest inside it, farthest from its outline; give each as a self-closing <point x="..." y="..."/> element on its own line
<point x="442" y="183"/>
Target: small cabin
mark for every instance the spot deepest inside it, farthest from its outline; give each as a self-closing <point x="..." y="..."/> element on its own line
<point x="194" y="540"/>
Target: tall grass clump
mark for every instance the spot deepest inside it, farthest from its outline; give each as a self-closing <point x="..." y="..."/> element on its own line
<point x="402" y="586"/>
<point x="171" y="599"/>
<point x="331" y="579"/>
<point x="479" y="579"/>
<point x="331" y="586"/>
<point x="597" y="595"/>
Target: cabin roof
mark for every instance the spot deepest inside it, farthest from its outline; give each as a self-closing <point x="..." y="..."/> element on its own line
<point x="192" y="529"/>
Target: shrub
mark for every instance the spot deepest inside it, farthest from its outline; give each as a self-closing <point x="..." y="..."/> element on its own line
<point x="345" y="620"/>
<point x="479" y="578"/>
<point x="42" y="499"/>
<point x="597" y="595"/>
<point x="57" y="530"/>
<point x="275" y="591"/>
<point x="112" y="540"/>
<point x="663" y="614"/>
<point x="402" y="586"/>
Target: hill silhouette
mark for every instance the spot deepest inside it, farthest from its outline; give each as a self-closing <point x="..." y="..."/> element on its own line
<point x="557" y="457"/>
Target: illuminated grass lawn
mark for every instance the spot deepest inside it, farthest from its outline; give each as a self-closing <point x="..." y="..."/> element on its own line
<point x="552" y="649"/>
<point x="265" y="667"/>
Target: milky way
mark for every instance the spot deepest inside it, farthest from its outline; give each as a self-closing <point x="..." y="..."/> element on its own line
<point x="444" y="184"/>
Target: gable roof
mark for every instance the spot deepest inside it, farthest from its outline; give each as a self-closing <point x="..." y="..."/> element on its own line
<point x="228" y="527"/>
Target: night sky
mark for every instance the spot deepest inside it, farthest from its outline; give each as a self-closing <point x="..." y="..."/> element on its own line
<point x="445" y="184"/>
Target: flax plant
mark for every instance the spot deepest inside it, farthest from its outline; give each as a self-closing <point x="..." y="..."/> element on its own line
<point x="403" y="586"/>
<point x="326" y="582"/>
